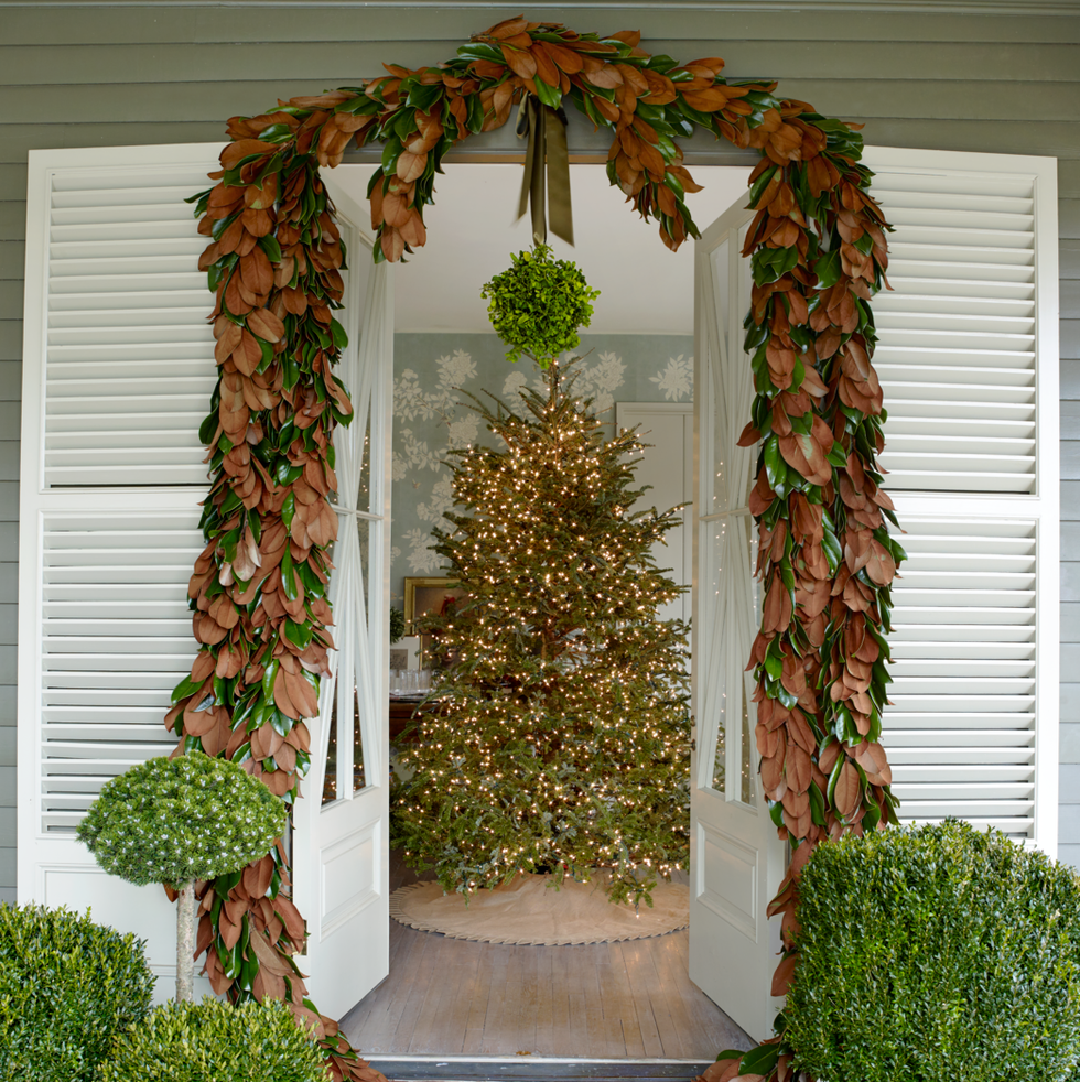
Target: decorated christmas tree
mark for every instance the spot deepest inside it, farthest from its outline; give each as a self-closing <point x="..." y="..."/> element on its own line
<point x="559" y="738"/>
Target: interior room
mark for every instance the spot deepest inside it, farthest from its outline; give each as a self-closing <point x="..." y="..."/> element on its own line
<point x="628" y="999"/>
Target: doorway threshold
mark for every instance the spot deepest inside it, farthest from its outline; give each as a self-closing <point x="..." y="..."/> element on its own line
<point x="532" y="1068"/>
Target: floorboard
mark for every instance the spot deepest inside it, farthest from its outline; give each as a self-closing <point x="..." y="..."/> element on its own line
<point x="604" y="1000"/>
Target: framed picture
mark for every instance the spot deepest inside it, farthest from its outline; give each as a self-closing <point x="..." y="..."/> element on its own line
<point x="405" y="653"/>
<point x="427" y="595"/>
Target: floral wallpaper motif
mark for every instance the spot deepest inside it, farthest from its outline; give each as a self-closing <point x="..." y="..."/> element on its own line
<point x="431" y="417"/>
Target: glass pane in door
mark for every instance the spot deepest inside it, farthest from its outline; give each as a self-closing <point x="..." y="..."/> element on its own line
<point x="720" y="758"/>
<point x="329" y="791"/>
<point x="720" y="411"/>
<point x="363" y="489"/>
<point x="748" y="769"/>
<point x="715" y="663"/>
<point x="359" y="777"/>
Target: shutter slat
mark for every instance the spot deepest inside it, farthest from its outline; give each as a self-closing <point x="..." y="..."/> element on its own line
<point x="961" y="731"/>
<point x="126" y="332"/>
<point x="962" y="266"/>
<point x="116" y="639"/>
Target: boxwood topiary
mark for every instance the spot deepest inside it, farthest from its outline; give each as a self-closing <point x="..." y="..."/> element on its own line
<point x="537" y="306"/>
<point x="176" y="820"/>
<point x="214" y="1041"/>
<point x="934" y="954"/>
<point x="67" y="987"/>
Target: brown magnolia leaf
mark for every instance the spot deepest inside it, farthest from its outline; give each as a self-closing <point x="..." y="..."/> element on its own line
<point x="846" y="793"/>
<point x="521" y="62"/>
<point x="234" y="300"/>
<point x="257" y="876"/>
<point x="777" y="609"/>
<point x="279" y="782"/>
<point x="228" y="339"/>
<point x="290" y="915"/>
<point x="709" y="99"/>
<point x="269" y="957"/>
<point x="781" y="982"/>
<point x="750" y="435"/>
<point x="567" y="59"/>
<point x="546" y="69"/>
<point x="880" y="566"/>
<point x="798" y="769"/>
<point x="234" y="153"/>
<point x="299" y="737"/>
<point x="302" y="694"/>
<point x="723" y="1070"/>
<point x="608" y="77"/>
<point x="413" y="232"/>
<point x="285" y="757"/>
<point x="392" y="244"/>
<point x="265" y="324"/>
<point x="410" y="167"/>
<point x="772" y="769"/>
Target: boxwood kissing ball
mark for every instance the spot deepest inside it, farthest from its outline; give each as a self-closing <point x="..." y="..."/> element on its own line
<point x="537" y="306"/>
<point x="174" y="820"/>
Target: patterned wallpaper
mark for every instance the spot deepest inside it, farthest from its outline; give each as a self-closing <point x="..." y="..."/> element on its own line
<point x="429" y="418"/>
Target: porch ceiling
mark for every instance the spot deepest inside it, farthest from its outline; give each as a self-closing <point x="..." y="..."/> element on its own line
<point x="645" y="289"/>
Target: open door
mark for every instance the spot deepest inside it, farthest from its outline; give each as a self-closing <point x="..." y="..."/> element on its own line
<point x="340" y="831"/>
<point x="736" y="859"/>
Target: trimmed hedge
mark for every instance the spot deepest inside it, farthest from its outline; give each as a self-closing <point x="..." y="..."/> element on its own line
<point x="214" y="1041"/>
<point x="67" y="988"/>
<point x="935" y="954"/>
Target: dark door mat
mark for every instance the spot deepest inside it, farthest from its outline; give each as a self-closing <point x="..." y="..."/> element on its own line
<point x="534" y="1069"/>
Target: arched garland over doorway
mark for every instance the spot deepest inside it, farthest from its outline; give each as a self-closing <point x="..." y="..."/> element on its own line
<point x="818" y="253"/>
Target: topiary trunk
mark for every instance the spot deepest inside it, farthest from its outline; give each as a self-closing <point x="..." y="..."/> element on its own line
<point x="185" y="942"/>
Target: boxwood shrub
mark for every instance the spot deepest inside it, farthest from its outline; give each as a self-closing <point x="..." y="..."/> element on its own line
<point x="935" y="954"/>
<point x="214" y="1041"/>
<point x="67" y="987"/>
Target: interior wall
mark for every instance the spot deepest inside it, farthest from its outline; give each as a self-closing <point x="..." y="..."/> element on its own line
<point x="431" y="416"/>
<point x="95" y="74"/>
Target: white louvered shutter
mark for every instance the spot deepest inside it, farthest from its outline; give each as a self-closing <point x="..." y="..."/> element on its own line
<point x="967" y="357"/>
<point x="118" y="369"/>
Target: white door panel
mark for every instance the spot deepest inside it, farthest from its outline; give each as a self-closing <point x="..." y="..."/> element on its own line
<point x="340" y="840"/>
<point x="736" y="859"/>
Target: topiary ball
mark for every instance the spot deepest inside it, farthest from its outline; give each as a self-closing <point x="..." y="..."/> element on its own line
<point x="935" y="953"/>
<point x="215" y="1042"/>
<point x="68" y="986"/>
<point x="174" y="820"/>
<point x="537" y="306"/>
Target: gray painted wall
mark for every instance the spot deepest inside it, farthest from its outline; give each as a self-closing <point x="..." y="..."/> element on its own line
<point x="87" y="75"/>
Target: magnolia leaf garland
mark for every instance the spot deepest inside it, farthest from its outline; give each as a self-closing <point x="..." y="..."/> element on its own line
<point x="261" y="616"/>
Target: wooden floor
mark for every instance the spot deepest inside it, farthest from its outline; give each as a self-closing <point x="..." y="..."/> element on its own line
<point x="610" y="1000"/>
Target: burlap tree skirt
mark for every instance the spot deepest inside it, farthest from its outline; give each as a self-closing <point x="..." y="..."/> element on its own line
<point x="528" y="911"/>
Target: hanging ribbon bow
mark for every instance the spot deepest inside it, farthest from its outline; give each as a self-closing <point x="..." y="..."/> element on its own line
<point x="545" y="129"/>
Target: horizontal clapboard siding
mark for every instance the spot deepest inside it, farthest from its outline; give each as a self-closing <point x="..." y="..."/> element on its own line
<point x="946" y="73"/>
<point x="1070" y="508"/>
